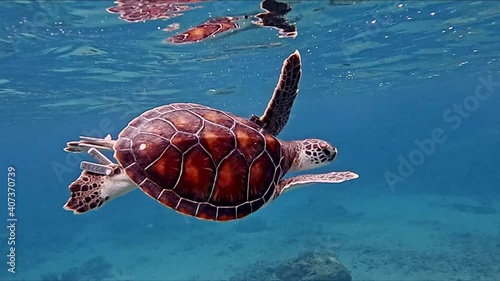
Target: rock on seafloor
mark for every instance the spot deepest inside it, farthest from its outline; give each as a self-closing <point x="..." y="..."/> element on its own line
<point x="307" y="266"/>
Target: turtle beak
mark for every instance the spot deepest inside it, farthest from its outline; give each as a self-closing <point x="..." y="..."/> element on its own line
<point x="330" y="153"/>
<point x="333" y="154"/>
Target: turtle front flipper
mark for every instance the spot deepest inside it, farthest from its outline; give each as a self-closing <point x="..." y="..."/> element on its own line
<point x="85" y="143"/>
<point x="274" y="17"/>
<point x="278" y="110"/>
<point x="303" y="180"/>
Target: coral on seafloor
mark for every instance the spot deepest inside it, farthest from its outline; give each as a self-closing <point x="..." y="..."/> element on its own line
<point x="307" y="266"/>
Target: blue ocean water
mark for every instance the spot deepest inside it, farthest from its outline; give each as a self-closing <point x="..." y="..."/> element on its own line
<point x="408" y="91"/>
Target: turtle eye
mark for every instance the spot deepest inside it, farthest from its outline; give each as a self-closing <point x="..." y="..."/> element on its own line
<point x="327" y="152"/>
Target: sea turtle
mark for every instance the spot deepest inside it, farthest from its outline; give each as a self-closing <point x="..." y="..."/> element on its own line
<point x="204" y="162"/>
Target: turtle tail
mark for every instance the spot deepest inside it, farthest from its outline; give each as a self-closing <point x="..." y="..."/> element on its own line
<point x="86" y="193"/>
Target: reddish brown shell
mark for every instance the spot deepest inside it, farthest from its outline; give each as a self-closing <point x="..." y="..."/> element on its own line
<point x="201" y="161"/>
<point x="205" y="30"/>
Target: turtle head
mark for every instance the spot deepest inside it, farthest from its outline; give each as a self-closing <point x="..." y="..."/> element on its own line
<point x="92" y="189"/>
<point x="313" y="153"/>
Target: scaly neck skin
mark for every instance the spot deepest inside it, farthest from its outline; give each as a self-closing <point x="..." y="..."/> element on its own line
<point x="307" y="154"/>
<point x="291" y="150"/>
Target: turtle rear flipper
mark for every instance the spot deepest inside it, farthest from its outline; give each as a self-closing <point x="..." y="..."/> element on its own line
<point x="278" y="110"/>
<point x="303" y="180"/>
<point x="86" y="143"/>
<point x="91" y="190"/>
